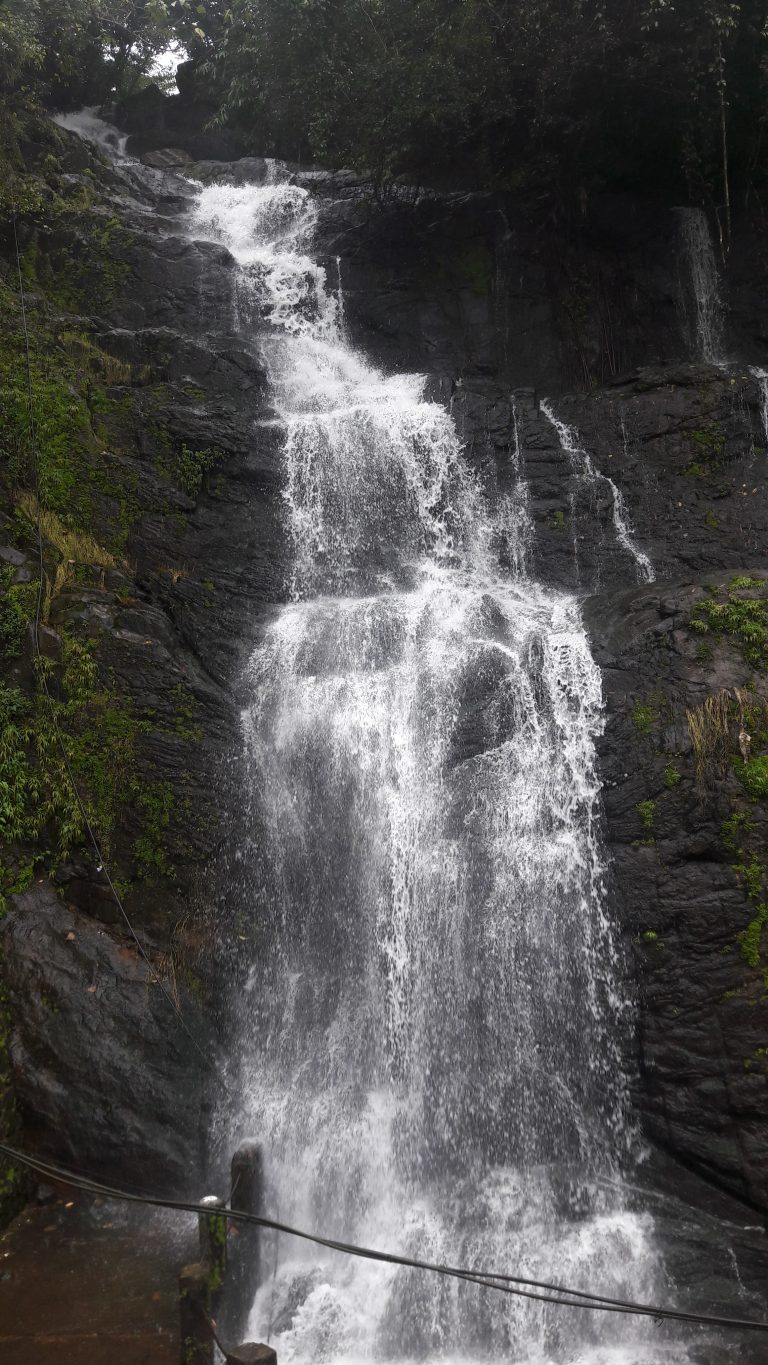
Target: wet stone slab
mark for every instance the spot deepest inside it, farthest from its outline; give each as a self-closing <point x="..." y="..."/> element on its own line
<point x="84" y="1282"/>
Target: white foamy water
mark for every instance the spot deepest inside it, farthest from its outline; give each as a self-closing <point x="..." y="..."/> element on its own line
<point x="583" y="468"/>
<point x="430" y="1051"/>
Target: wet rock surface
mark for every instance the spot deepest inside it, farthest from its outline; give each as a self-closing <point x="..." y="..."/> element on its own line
<point x="683" y="832"/>
<point x="104" y="1070"/>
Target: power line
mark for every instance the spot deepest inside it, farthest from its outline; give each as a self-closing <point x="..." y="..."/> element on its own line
<point x="41" y="673"/>
<point x="555" y="1294"/>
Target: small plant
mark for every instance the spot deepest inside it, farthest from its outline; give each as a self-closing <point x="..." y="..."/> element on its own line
<point x="671" y="776"/>
<point x="744" y="619"/>
<point x="711" y="520"/>
<point x="737" y="827"/>
<point x="754" y="776"/>
<point x="17" y="607"/>
<point x="650" y="936"/>
<point x="187" y="467"/>
<point x="558" y="520"/>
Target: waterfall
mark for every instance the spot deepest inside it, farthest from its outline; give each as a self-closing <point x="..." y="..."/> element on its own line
<point x="702" y="304"/>
<point x="431" y="1040"/>
<point x="87" y="124"/>
<point x="515" y="515"/>
<point x="584" y="470"/>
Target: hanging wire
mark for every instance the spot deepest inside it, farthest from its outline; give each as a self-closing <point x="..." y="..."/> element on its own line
<point x="501" y="1283"/>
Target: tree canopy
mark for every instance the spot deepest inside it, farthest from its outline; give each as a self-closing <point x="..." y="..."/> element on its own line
<point x="672" y="94"/>
<point x="550" y="97"/>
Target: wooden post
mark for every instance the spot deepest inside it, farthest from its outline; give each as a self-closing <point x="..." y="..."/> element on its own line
<point x="213" y="1243"/>
<point x="244" y="1271"/>
<point x="247" y="1178"/>
<point x="196" y="1339"/>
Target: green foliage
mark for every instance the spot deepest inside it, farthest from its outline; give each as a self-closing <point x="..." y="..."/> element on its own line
<point x="184" y="714"/>
<point x="744" y="619"/>
<point x="738" y="826"/>
<point x="504" y="92"/>
<point x="17" y="605"/>
<point x="156" y="803"/>
<point x="20" y="816"/>
<point x="558" y="520"/>
<point x="751" y="940"/>
<point x="186" y="468"/>
<point x="754" y="775"/>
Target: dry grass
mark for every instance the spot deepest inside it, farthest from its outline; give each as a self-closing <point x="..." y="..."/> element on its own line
<point x="719" y="726"/>
<point x="176" y="572"/>
<point x="74" y="547"/>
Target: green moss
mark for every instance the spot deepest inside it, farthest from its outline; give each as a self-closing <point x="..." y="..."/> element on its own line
<point x="558" y="520"/>
<point x="650" y="936"/>
<point x="710" y="440"/>
<point x="647" y="812"/>
<point x="711" y="520"/>
<point x="184" y="714"/>
<point x="643" y="718"/>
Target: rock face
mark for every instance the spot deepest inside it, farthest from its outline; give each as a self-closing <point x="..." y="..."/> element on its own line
<point x="185" y="473"/>
<point x="687" y="829"/>
<point x="112" y="1079"/>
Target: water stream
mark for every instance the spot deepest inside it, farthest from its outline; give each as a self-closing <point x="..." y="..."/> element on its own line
<point x="584" y="470"/>
<point x="431" y="1047"/>
<point x="700" y="288"/>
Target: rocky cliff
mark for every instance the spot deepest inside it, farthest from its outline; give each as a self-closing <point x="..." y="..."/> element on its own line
<point x="160" y="480"/>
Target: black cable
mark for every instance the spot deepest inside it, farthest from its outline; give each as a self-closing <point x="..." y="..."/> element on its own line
<point x="503" y="1284"/>
<point x="44" y="681"/>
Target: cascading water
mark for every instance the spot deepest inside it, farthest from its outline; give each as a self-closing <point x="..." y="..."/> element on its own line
<point x="702" y="304"/>
<point x="87" y="124"/>
<point x="583" y="469"/>
<point x="430" y="1051"/>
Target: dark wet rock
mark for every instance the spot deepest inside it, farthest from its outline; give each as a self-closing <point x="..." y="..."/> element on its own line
<point x="703" y="1083"/>
<point x="100" y="1061"/>
<point x="167" y="158"/>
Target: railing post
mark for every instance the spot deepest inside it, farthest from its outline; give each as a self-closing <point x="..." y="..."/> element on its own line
<point x="244" y="1272"/>
<point x="213" y="1243"/>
